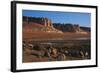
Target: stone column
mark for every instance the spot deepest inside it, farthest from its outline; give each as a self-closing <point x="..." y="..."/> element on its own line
<point x="49" y="23"/>
<point x="45" y="22"/>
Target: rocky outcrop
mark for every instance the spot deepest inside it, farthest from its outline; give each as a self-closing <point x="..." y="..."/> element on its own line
<point x="76" y="28"/>
<point x="47" y="22"/>
<point x="41" y="24"/>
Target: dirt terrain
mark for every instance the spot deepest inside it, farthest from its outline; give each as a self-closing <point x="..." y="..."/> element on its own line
<point x="28" y="33"/>
<point x="42" y="53"/>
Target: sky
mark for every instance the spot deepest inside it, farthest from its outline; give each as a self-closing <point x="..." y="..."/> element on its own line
<point x="83" y="19"/>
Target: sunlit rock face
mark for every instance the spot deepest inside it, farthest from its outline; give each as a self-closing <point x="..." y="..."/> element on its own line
<point x="47" y="22"/>
<point x="40" y="23"/>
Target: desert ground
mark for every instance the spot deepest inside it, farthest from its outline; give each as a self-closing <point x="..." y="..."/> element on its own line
<point x="41" y="46"/>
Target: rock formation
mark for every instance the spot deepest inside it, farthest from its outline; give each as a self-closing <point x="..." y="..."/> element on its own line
<point x="76" y="28"/>
<point x="45" y="23"/>
<point x="48" y="26"/>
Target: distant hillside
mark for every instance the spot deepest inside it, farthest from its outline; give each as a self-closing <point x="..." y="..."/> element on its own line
<point x="87" y="29"/>
<point x="70" y="27"/>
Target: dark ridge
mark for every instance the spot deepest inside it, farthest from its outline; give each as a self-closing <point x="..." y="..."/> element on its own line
<point x="85" y="28"/>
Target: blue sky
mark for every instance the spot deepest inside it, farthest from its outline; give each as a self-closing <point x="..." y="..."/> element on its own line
<point x="83" y="19"/>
